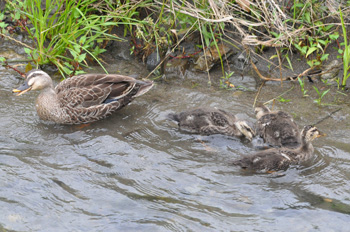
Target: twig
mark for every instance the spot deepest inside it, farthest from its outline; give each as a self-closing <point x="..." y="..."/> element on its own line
<point x="257" y="95"/>
<point x="17" y="41"/>
<point x="328" y="116"/>
<point x="279" y="95"/>
<point x="261" y="76"/>
<point x="160" y="63"/>
<point x="18" y="61"/>
<point x="6" y="65"/>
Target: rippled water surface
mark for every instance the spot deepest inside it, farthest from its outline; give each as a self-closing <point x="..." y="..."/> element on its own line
<point x="135" y="171"/>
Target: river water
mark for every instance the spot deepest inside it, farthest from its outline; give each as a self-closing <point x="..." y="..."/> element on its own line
<point x="135" y="171"/>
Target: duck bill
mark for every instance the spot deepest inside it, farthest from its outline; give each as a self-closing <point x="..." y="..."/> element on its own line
<point x="22" y="89"/>
<point x="321" y="134"/>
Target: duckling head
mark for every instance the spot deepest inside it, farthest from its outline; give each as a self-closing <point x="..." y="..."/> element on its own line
<point x="245" y="129"/>
<point x="35" y="80"/>
<point x="260" y="111"/>
<point x="309" y="133"/>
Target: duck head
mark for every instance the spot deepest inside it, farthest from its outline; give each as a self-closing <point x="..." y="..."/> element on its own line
<point x="309" y="133"/>
<point x="35" y="80"/>
<point x="245" y="129"/>
<point x="260" y="111"/>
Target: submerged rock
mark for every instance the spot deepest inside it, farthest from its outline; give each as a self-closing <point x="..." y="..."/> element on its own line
<point x="176" y="67"/>
<point x="152" y="61"/>
<point x="330" y="71"/>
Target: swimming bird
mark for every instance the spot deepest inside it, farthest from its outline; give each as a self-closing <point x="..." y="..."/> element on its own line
<point x="277" y="128"/>
<point x="81" y="99"/>
<point x="275" y="159"/>
<point x="207" y="121"/>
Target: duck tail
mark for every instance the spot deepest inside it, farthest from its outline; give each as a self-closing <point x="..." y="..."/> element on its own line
<point x="173" y="116"/>
<point x="145" y="86"/>
<point x="243" y="163"/>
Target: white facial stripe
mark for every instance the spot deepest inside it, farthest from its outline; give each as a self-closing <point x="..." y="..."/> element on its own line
<point x="30" y="82"/>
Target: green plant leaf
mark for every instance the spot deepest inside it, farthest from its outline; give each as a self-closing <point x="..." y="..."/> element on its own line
<point x="17" y="15"/>
<point x="324" y="92"/>
<point x="290" y="63"/>
<point x="311" y="50"/>
<point x="3" y="24"/>
<point x="307" y="17"/>
<point x="301" y="49"/>
<point x="324" y="57"/>
<point x="82" y="39"/>
<point x="81" y="57"/>
<point x="327" y="27"/>
<point x="323" y="42"/>
<point x="316" y="62"/>
<point x="334" y="36"/>
<point x="27" y="51"/>
<point x="318" y="92"/>
<point x="67" y="70"/>
<point x="73" y="53"/>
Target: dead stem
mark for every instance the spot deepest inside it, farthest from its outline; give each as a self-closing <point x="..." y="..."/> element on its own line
<point x="257" y="95"/>
<point x="326" y="117"/>
<point x="261" y="76"/>
<point x="17" y="41"/>
<point x="273" y="99"/>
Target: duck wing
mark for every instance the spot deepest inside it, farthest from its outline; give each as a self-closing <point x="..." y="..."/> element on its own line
<point x="90" y="97"/>
<point x="268" y="160"/>
<point x="93" y="89"/>
<point x="204" y="121"/>
<point x="192" y="121"/>
<point x="279" y="129"/>
<point x="222" y="118"/>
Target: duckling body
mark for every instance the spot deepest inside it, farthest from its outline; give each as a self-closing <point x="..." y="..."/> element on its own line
<point x="84" y="98"/>
<point x="277" y="128"/>
<point x="207" y="121"/>
<point x="275" y="159"/>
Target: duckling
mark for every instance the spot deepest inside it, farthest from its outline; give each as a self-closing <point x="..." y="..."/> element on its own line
<point x="277" y="128"/>
<point x="82" y="99"/>
<point x="207" y="121"/>
<point x="275" y="159"/>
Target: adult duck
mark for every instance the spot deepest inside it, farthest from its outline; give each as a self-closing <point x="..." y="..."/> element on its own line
<point x="81" y="99"/>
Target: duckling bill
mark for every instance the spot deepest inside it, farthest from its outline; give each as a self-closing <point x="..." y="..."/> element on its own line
<point x="84" y="98"/>
<point x="207" y="121"/>
<point x="275" y="159"/>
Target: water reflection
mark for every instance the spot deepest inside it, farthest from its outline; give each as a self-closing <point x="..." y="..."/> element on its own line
<point x="135" y="171"/>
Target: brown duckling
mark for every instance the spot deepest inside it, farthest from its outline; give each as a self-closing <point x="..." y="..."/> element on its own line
<point x="275" y="159"/>
<point x="207" y="121"/>
<point x="82" y="99"/>
<point x="277" y="128"/>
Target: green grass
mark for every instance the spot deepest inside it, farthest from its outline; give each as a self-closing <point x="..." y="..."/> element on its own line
<point x="346" y="53"/>
<point x="65" y="33"/>
<point x="68" y="33"/>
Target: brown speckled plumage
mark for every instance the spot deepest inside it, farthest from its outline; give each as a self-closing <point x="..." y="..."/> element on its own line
<point x="277" y="128"/>
<point x="82" y="99"/>
<point x="209" y="121"/>
<point x="275" y="159"/>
